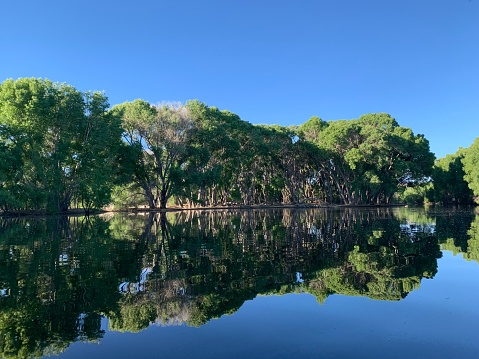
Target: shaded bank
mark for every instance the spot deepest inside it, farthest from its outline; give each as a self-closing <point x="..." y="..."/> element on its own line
<point x="81" y="212"/>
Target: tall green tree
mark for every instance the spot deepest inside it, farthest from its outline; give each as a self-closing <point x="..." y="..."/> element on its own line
<point x="10" y="167"/>
<point x="215" y="154"/>
<point x="244" y="163"/>
<point x="157" y="139"/>
<point x="64" y="139"/>
<point x="450" y="187"/>
<point x="368" y="159"/>
<point x="471" y="168"/>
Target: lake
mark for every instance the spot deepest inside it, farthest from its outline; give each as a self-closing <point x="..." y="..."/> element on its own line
<point x="276" y="283"/>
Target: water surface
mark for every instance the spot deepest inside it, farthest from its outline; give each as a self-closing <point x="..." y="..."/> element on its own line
<point x="381" y="283"/>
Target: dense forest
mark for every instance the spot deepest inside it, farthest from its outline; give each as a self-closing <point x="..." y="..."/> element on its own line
<point x="61" y="148"/>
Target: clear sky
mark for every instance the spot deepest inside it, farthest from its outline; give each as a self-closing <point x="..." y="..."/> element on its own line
<point x="271" y="62"/>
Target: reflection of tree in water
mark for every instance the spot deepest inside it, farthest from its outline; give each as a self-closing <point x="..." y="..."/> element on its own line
<point x="208" y="264"/>
<point x="460" y="234"/>
<point x="59" y="276"/>
<point x="473" y="241"/>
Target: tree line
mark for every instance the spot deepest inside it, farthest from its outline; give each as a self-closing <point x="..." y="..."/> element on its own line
<point x="61" y="148"/>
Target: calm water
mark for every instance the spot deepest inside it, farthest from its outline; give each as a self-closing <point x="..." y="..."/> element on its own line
<point x="382" y="283"/>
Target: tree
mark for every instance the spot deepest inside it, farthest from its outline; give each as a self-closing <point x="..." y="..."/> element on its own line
<point x="10" y="167"/>
<point x="311" y="129"/>
<point x="395" y="156"/>
<point x="368" y="159"/>
<point x="215" y="154"/>
<point x="64" y="139"/>
<point x="157" y="139"/>
<point x="96" y="153"/>
<point x="471" y="167"/>
<point x="448" y="179"/>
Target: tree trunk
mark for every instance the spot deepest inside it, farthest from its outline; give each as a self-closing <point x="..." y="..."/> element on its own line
<point x="163" y="199"/>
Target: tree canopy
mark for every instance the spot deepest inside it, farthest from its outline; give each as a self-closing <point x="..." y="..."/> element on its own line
<point x="450" y="187"/>
<point x="368" y="159"/>
<point x="471" y="167"/>
<point x="63" y="148"/>
<point x="58" y="146"/>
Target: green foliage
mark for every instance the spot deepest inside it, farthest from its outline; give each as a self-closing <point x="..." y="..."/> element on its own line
<point x="473" y="241"/>
<point x="245" y="164"/>
<point x="135" y="315"/>
<point x="419" y="194"/>
<point x="311" y="129"/>
<point x="448" y="176"/>
<point x="156" y="148"/>
<point x="10" y="169"/>
<point x="58" y="145"/>
<point x="60" y="277"/>
<point x="367" y="160"/>
<point x="471" y="167"/>
<point x="459" y="233"/>
<point x="126" y="196"/>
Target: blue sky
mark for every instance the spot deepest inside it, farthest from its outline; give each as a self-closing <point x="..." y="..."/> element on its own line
<point x="272" y="62"/>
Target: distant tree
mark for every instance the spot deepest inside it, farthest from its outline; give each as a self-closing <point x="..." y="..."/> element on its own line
<point x="311" y="129"/>
<point x="448" y="180"/>
<point x="368" y="159"/>
<point x="471" y="168"/>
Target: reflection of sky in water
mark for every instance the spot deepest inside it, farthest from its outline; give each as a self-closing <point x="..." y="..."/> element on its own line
<point x="437" y="321"/>
<point x="128" y="287"/>
<point x="411" y="228"/>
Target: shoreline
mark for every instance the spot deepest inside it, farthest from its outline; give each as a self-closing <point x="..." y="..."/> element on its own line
<point x="81" y="212"/>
